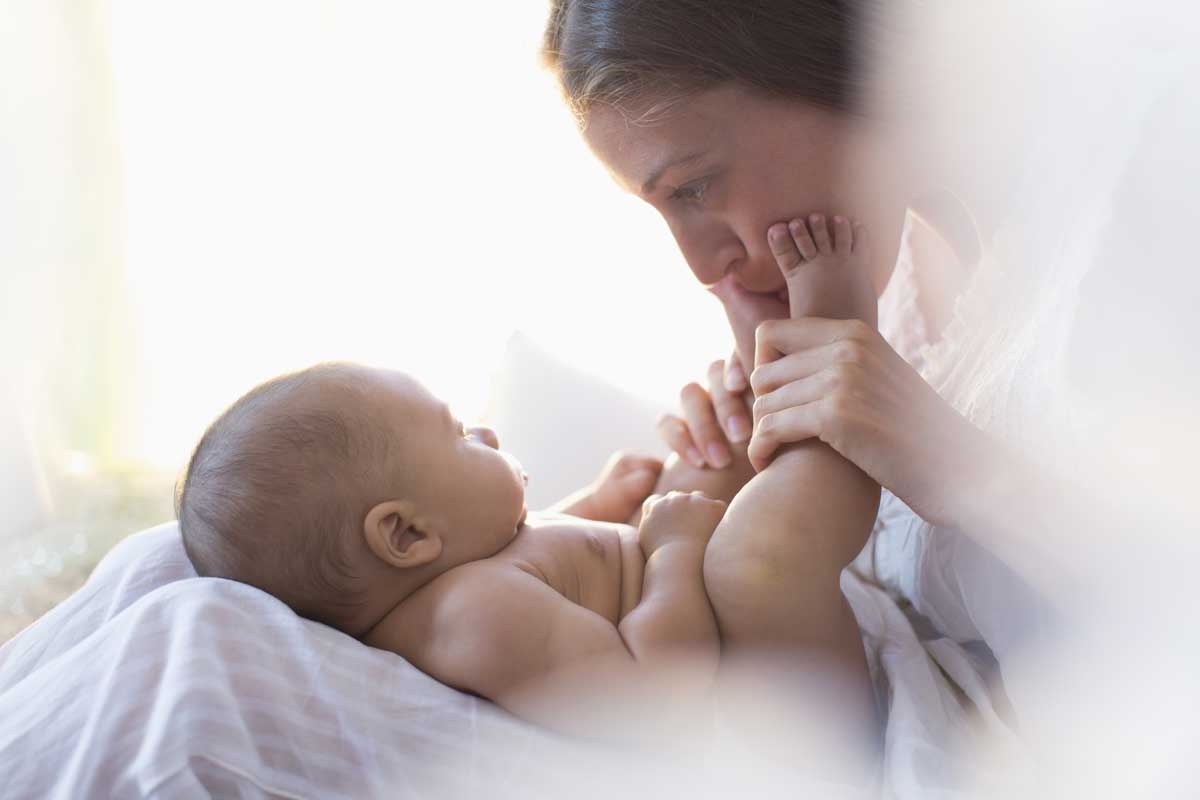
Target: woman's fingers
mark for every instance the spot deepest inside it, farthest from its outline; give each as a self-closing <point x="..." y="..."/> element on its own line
<point x="703" y="426"/>
<point x="735" y="377"/>
<point x="729" y="406"/>
<point x="797" y="366"/>
<point x="769" y="377"/>
<point x="674" y="431"/>
<point x="799" y="392"/>
<point x="790" y="425"/>
<point x="775" y="338"/>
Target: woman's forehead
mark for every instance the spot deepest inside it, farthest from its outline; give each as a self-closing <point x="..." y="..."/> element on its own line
<point x="717" y="121"/>
<point x="637" y="150"/>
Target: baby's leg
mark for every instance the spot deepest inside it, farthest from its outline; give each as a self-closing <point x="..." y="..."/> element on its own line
<point x="793" y="674"/>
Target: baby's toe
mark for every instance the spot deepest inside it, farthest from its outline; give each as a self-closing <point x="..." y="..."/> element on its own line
<point x="787" y="256"/>
<point x="803" y="239"/>
<point x="842" y="237"/>
<point x="862" y="238"/>
<point x="820" y="233"/>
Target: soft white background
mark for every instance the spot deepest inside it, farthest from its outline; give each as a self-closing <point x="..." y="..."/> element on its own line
<point x="396" y="183"/>
<point x="198" y="196"/>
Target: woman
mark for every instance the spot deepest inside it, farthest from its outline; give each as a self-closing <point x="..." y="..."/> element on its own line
<point x="731" y="117"/>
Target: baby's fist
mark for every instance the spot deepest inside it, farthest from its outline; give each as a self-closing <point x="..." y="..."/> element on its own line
<point x="678" y="516"/>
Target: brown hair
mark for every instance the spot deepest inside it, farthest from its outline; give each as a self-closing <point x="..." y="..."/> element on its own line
<point x="614" y="52"/>
<point x="267" y="498"/>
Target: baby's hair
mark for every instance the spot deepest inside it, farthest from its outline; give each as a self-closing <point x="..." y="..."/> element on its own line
<point x="268" y="495"/>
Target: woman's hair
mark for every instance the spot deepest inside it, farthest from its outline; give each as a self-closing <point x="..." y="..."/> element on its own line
<point x="659" y="52"/>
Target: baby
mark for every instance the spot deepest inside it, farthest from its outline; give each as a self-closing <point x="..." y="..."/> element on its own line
<point x="356" y="497"/>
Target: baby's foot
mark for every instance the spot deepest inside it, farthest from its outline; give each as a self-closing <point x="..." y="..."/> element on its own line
<point x="827" y="267"/>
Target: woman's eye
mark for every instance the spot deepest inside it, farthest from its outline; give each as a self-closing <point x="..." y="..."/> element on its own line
<point x="691" y="192"/>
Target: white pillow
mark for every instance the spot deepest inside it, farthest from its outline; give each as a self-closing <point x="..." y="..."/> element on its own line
<point x="561" y="422"/>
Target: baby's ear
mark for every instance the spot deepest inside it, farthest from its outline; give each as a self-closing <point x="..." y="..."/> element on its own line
<point x="390" y="531"/>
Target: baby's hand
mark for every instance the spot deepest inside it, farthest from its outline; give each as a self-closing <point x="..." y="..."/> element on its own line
<point x="625" y="481"/>
<point x="678" y="516"/>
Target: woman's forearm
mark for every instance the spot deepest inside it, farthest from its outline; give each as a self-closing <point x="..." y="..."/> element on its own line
<point x="1040" y="525"/>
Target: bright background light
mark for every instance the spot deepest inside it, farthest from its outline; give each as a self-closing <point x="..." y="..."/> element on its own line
<point x="195" y="197"/>
<point x="392" y="183"/>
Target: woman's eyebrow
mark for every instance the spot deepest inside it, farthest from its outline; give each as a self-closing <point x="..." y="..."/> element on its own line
<point x="656" y="175"/>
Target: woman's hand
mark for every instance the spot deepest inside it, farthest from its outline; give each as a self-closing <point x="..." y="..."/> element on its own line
<point x="713" y="419"/>
<point x="837" y="380"/>
<point x="840" y="382"/>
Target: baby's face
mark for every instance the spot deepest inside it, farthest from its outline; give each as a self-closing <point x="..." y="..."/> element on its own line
<point x="453" y="472"/>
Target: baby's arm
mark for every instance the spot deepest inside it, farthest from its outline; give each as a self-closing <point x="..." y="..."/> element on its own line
<point x="625" y="481"/>
<point x="496" y="631"/>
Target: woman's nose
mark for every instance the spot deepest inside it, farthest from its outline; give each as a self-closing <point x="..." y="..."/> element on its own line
<point x="486" y="435"/>
<point x="710" y="267"/>
<point x="712" y="250"/>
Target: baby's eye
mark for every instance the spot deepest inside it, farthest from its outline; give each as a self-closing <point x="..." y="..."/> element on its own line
<point x="691" y="192"/>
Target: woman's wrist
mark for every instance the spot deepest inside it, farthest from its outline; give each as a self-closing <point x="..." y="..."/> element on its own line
<point x="971" y="478"/>
<point x="982" y="488"/>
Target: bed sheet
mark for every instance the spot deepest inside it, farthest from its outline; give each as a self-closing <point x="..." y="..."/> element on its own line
<point x="152" y="682"/>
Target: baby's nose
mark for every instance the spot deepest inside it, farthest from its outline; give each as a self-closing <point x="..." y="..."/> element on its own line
<point x="487" y="436"/>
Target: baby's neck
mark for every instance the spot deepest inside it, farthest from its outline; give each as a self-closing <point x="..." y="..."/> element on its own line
<point x="388" y="587"/>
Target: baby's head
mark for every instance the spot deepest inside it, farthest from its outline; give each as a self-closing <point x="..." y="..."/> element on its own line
<point x="342" y="489"/>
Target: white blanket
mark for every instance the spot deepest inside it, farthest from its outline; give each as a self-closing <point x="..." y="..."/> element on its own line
<point x="150" y="681"/>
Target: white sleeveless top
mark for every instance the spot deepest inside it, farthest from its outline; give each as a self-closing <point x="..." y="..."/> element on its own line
<point x="927" y="600"/>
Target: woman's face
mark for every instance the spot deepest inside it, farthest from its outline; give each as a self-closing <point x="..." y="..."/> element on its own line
<point x="731" y="162"/>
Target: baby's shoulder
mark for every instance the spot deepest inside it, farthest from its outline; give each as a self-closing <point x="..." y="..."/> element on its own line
<point x="460" y="589"/>
<point x="462" y="599"/>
